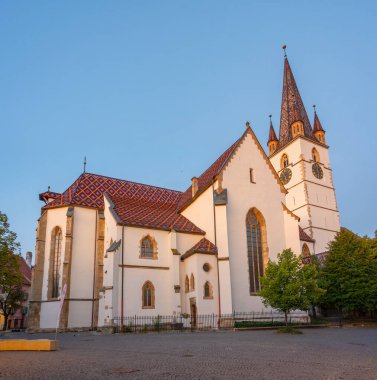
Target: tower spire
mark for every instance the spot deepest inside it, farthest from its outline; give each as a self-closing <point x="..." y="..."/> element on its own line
<point x="318" y="131"/>
<point x="292" y="109"/>
<point x="272" y="142"/>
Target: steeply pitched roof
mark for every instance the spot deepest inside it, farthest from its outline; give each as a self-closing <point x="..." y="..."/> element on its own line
<point x="317" y="126"/>
<point x="292" y="108"/>
<point x="207" y="177"/>
<point x="272" y="134"/>
<point x="134" y="203"/>
<point x="88" y="191"/>
<point x="156" y="213"/>
<point x="204" y="246"/>
<point x="25" y="271"/>
<point x="304" y="236"/>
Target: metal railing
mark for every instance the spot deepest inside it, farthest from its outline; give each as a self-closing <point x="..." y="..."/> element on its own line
<point x="185" y="322"/>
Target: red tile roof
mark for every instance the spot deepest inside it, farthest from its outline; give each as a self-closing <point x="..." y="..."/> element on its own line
<point x="88" y="191"/>
<point x="135" y="204"/>
<point x="206" y="178"/>
<point x="204" y="246"/>
<point x="26" y="271"/>
<point x="157" y="214"/>
<point x="49" y="195"/>
<point x="304" y="236"/>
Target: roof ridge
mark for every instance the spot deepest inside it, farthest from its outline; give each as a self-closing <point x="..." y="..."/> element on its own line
<point x="222" y="160"/>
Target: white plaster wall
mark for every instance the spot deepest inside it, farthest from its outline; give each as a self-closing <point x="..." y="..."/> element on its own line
<point x="108" y="303"/>
<point x="206" y="306"/>
<point x="317" y="192"/>
<point x="49" y="315"/>
<point x="174" y="272"/>
<point x="56" y="217"/>
<point x="80" y="314"/>
<point x="134" y="278"/>
<point x="266" y="196"/>
<point x="292" y="235"/>
<point x="83" y="252"/>
<point x="200" y="213"/>
<point x="222" y="242"/>
<point x="194" y="265"/>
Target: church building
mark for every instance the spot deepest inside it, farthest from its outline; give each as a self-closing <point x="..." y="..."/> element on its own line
<point x="121" y="248"/>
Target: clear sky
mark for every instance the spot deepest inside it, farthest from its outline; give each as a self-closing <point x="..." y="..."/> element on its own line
<point x="154" y="91"/>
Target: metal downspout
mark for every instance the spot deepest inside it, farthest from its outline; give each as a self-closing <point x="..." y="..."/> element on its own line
<point x="217" y="261"/>
<point x="122" y="292"/>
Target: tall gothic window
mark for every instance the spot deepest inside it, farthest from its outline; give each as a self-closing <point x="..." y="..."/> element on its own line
<point x="148" y="295"/>
<point x="255" y="248"/>
<point x="192" y="282"/>
<point x="55" y="257"/>
<point x="148" y="248"/>
<point x="187" y="284"/>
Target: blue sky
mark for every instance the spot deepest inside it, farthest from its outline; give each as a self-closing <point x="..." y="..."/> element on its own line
<point x="154" y="91"/>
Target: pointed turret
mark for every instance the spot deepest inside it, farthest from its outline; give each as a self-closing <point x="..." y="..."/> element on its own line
<point x="294" y="120"/>
<point x="272" y="142"/>
<point x="318" y="131"/>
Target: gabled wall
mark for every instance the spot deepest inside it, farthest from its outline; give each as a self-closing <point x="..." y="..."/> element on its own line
<point x="265" y="195"/>
<point x="200" y="212"/>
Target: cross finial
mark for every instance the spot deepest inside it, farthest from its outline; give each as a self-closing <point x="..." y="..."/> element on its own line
<point x="315" y="111"/>
<point x="284" y="48"/>
<point x="85" y="164"/>
<point x="48" y="188"/>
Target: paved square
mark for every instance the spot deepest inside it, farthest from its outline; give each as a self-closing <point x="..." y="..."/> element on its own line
<point x="333" y="353"/>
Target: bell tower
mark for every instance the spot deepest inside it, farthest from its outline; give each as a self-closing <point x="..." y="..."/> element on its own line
<point x="301" y="158"/>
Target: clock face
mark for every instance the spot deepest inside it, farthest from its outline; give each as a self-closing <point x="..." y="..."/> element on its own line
<point x="317" y="170"/>
<point x="285" y="175"/>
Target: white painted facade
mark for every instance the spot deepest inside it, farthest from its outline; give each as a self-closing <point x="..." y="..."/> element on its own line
<point x="125" y="271"/>
<point x="311" y="198"/>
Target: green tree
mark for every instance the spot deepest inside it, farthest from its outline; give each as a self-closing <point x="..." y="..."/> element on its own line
<point x="10" y="276"/>
<point x="289" y="285"/>
<point x="350" y="273"/>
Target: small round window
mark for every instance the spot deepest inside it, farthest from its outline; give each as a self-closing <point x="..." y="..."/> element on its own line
<point x="206" y="267"/>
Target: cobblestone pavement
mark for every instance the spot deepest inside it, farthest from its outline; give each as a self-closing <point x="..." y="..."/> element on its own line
<point x="333" y="353"/>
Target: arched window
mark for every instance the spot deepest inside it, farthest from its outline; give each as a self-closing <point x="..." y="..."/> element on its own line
<point x="315" y="155"/>
<point x="284" y="162"/>
<point x="306" y="256"/>
<point x="257" y="250"/>
<point x="148" y="248"/>
<point x="187" y="284"/>
<point x="55" y="258"/>
<point x="192" y="282"/>
<point x="208" y="291"/>
<point x="148" y="295"/>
